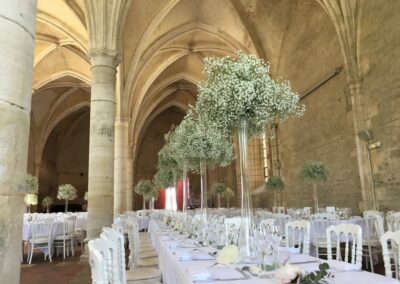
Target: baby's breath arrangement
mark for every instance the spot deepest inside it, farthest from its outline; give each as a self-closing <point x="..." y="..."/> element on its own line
<point x="218" y="189"/>
<point x="314" y="172"/>
<point x="47" y="202"/>
<point x="241" y="87"/>
<point x="66" y="192"/>
<point x="31" y="184"/>
<point x="147" y="190"/>
<point x="30" y="199"/>
<point x="197" y="139"/>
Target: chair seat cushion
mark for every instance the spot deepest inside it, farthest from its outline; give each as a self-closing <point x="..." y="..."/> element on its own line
<point x="144" y="273"/>
<point x="62" y="237"/>
<point x="148" y="261"/>
<point x="39" y="240"/>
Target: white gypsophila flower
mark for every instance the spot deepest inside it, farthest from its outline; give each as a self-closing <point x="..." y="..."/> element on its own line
<point x="31" y="184"/>
<point x="197" y="139"/>
<point x="228" y="255"/>
<point x="31" y="199"/>
<point x="47" y="201"/>
<point x="241" y="87"/>
<point x="66" y="191"/>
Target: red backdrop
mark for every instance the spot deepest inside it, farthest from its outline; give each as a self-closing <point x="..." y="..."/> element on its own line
<point x="160" y="203"/>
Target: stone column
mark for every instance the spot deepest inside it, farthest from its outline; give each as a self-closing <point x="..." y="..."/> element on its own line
<point x="121" y="166"/>
<point x="129" y="186"/>
<point x="17" y="27"/>
<point x="360" y="124"/>
<point x="101" y="143"/>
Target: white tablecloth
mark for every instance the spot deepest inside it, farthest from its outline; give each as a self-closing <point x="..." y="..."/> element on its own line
<point x="57" y="229"/>
<point x="179" y="272"/>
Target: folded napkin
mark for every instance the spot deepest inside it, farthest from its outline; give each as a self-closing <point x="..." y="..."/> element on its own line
<point x="342" y="266"/>
<point x="194" y="255"/>
<point x="199" y="274"/>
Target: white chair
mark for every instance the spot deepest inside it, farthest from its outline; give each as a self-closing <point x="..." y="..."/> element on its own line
<point x="232" y="226"/>
<point x="331" y="209"/>
<point x="97" y="264"/>
<point x="281" y="220"/>
<point x="390" y="242"/>
<point x="298" y="235"/>
<point x="65" y="240"/>
<point x="345" y="233"/>
<point x="373" y="232"/>
<point x="135" y="259"/>
<point x="135" y="275"/>
<point x="79" y="232"/>
<point x="267" y="224"/>
<point x="40" y="239"/>
<point x="318" y="229"/>
<point x="325" y="216"/>
<point x="393" y="221"/>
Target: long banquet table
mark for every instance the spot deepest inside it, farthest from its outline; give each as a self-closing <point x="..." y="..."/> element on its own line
<point x="171" y="246"/>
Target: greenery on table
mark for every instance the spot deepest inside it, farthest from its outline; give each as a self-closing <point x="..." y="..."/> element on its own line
<point x="241" y="87"/>
<point x="274" y="184"/>
<point x="317" y="277"/>
<point x="31" y="184"/>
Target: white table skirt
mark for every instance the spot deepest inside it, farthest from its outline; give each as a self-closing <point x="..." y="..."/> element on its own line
<point x="177" y="272"/>
<point x="57" y="229"/>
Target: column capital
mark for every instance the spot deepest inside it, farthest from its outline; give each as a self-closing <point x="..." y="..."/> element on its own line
<point x="103" y="57"/>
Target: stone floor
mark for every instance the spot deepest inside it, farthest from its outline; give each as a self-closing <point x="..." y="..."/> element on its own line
<point x="60" y="271"/>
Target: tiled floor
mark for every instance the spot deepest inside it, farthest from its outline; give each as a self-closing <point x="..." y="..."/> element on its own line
<point x="60" y="271"/>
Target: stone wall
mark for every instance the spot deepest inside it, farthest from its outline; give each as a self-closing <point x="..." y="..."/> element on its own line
<point x="380" y="53"/>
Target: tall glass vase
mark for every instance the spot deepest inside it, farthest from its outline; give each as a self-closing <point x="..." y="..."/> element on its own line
<point x="203" y="184"/>
<point x="316" y="207"/>
<point x="247" y="247"/>
<point x="185" y="188"/>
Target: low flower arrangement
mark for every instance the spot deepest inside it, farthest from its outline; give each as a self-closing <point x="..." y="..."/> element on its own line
<point x="293" y="274"/>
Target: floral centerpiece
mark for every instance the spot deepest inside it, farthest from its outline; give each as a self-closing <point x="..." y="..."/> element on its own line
<point x="199" y="144"/>
<point x="275" y="185"/>
<point x="314" y="172"/>
<point x="294" y="274"/>
<point x="239" y="95"/>
<point x="218" y="189"/>
<point x="30" y="199"/>
<point x="66" y="192"/>
<point x="147" y="190"/>
<point x="47" y="202"/>
<point x="31" y="184"/>
<point x="228" y="194"/>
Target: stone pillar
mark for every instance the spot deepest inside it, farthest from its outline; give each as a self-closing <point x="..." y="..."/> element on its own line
<point x="17" y="27"/>
<point x="360" y="124"/>
<point x="129" y="186"/>
<point x="101" y="143"/>
<point x="121" y="166"/>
